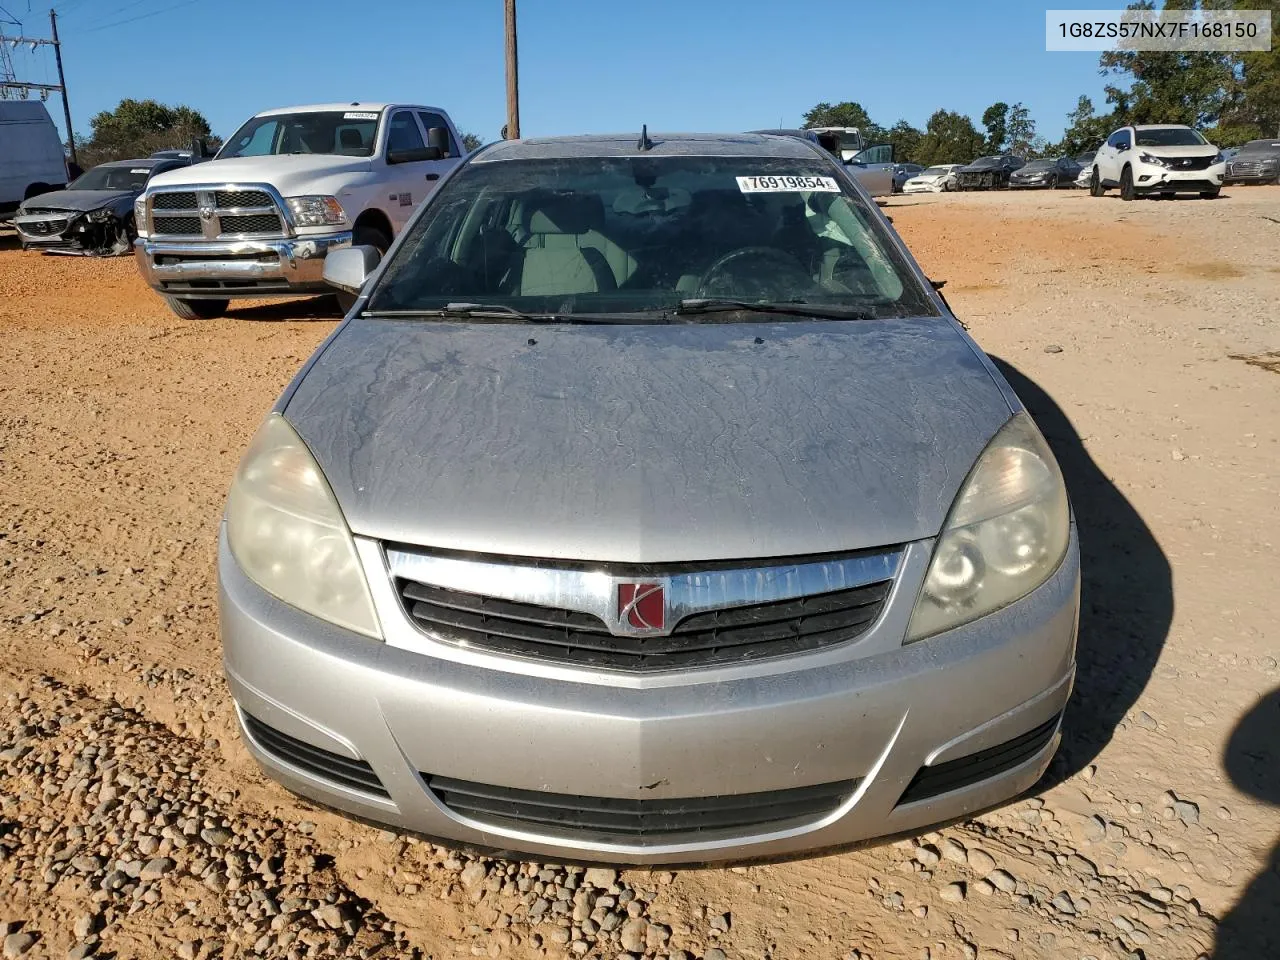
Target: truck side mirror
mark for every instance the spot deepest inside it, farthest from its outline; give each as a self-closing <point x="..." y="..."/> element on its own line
<point x="438" y="137"/>
<point x="413" y="154"/>
<point x="349" y="267"/>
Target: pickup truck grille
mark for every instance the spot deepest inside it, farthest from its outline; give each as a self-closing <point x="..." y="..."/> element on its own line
<point x="174" y="201"/>
<point x="242" y="198"/>
<point x="177" y="226"/>
<point x="212" y="212"/>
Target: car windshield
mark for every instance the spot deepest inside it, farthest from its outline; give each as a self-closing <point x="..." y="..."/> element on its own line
<point x="348" y="133"/>
<point x="639" y="235"/>
<point x="1170" y="137"/>
<point x="1261" y="146"/>
<point x="1035" y="165"/>
<point x="1086" y="157"/>
<point x="936" y="172"/>
<point x="985" y="160"/>
<point x="112" y="177"/>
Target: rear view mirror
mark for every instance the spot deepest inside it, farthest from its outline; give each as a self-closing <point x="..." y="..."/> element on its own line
<point x="349" y="267"/>
<point x="438" y="139"/>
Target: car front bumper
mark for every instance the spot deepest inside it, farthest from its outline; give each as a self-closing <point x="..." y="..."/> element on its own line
<point x="1149" y="178"/>
<point x="237" y="268"/>
<point x="310" y="689"/>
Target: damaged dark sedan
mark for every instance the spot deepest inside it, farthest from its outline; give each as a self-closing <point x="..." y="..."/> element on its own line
<point x="94" y="215"/>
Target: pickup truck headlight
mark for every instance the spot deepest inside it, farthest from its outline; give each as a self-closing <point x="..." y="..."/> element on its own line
<point x="140" y="216"/>
<point x="316" y="211"/>
<point x="1007" y="532"/>
<point x="287" y="533"/>
<point x="1157" y="161"/>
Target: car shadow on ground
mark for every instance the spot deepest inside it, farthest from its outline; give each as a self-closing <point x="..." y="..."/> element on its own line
<point x="1252" y="760"/>
<point x="323" y="307"/>
<point x="9" y="239"/>
<point x="1126" y="598"/>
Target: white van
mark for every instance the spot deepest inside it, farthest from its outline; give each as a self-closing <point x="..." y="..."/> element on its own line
<point x="31" y="159"/>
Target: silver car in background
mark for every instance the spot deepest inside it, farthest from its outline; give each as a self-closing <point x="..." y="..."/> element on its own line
<point x="649" y="506"/>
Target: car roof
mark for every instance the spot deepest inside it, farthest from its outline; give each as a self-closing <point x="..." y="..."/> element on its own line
<point x="663" y="145"/>
<point x="1159" y="126"/>
<point x="148" y="162"/>
<point x="326" y="107"/>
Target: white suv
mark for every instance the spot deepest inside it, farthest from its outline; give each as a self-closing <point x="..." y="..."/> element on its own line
<point x="1157" y="159"/>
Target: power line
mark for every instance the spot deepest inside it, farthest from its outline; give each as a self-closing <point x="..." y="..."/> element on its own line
<point x="141" y="16"/>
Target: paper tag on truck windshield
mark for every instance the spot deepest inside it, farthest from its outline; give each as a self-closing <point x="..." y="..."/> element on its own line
<point x="140" y="170"/>
<point x="358" y="115"/>
<point x="787" y="184"/>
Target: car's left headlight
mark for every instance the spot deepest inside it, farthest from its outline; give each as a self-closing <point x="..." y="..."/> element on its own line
<point x="140" y="216"/>
<point x="1156" y="161"/>
<point x="1216" y="158"/>
<point x="286" y="531"/>
<point x="316" y="211"/>
<point x="1007" y="532"/>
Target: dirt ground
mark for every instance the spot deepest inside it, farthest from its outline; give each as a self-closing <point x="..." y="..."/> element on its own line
<point x="1143" y="336"/>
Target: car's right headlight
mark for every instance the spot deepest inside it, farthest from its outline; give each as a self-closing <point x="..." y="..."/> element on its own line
<point x="140" y="224"/>
<point x="287" y="533"/>
<point x="1007" y="532"/>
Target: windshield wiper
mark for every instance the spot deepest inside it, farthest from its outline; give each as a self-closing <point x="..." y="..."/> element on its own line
<point x="500" y="311"/>
<point x="791" y="308"/>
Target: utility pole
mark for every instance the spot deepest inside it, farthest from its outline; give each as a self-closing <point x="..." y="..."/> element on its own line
<point x="22" y="88"/>
<point x="62" y="82"/>
<point x="513" y="80"/>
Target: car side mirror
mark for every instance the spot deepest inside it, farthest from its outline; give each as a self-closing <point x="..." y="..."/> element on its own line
<point x="438" y="138"/>
<point x="349" y="267"/>
<point x="413" y="154"/>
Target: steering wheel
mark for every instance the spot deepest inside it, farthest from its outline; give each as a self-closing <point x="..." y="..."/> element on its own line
<point x="766" y="255"/>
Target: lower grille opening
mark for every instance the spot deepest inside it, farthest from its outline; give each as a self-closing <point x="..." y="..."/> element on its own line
<point x="354" y="774"/>
<point x="638" y="822"/>
<point x="966" y="771"/>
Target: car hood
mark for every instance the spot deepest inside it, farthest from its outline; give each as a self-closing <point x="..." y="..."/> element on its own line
<point x="79" y="200"/>
<point x="1192" y="150"/>
<point x="1024" y="172"/>
<point x="647" y="444"/>
<point x="287" y="173"/>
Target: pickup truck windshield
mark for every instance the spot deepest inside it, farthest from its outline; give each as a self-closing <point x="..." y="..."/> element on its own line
<point x="636" y="234"/>
<point x="346" y="133"/>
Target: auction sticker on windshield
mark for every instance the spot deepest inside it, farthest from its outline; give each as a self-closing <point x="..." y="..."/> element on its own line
<point x="359" y="115"/>
<point x="787" y="184"/>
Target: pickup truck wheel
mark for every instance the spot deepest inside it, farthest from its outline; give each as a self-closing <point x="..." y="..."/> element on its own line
<point x="364" y="235"/>
<point x="1126" y="184"/>
<point x="197" y="309"/>
<point x="1096" y="189"/>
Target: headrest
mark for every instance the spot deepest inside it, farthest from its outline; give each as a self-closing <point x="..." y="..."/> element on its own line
<point x="564" y="213"/>
<point x="351" y="137"/>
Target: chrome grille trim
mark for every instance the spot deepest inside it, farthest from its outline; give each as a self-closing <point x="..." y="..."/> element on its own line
<point x="188" y="202"/>
<point x="595" y="591"/>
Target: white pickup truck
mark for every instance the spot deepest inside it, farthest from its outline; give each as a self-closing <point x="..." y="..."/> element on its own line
<point x="286" y="188"/>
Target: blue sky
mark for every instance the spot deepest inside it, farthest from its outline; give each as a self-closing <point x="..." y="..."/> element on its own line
<point x="586" y="65"/>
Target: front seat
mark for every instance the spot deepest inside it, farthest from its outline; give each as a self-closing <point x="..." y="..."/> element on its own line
<point x="352" y="141"/>
<point x="557" y="260"/>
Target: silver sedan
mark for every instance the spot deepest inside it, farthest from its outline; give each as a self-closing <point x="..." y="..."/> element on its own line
<point x="649" y="506"/>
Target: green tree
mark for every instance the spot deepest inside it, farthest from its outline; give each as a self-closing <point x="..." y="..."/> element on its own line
<point x="1085" y="129"/>
<point x="949" y="137"/>
<point x="138" y="128"/>
<point x="847" y="114"/>
<point x="471" y="142"/>
<point x="1257" y="104"/>
<point x="1174" y="86"/>
<point x="1021" y="131"/>
<point x="995" y="119"/>
<point x="906" y="141"/>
